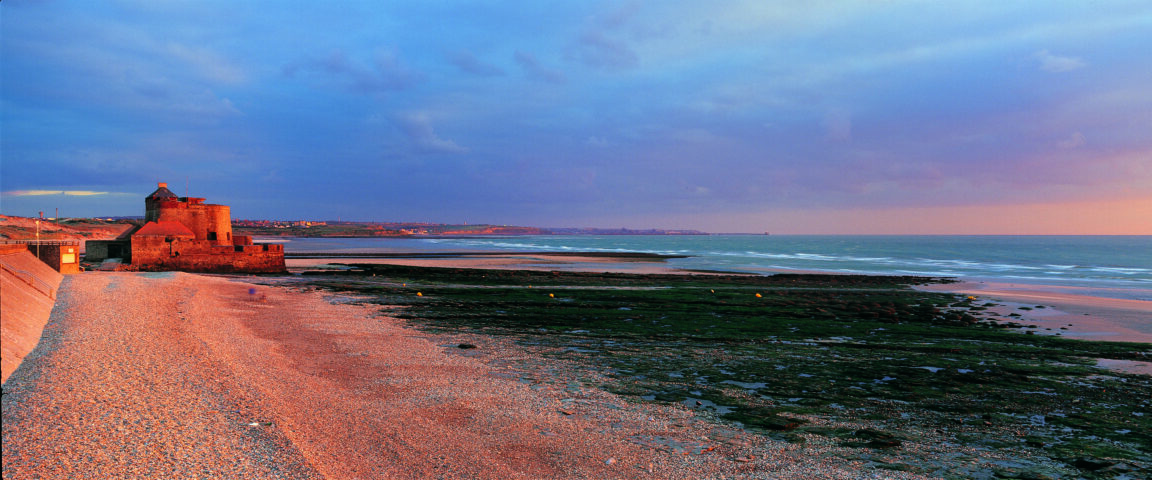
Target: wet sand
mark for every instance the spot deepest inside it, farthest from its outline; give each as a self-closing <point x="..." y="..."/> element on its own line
<point x="512" y="260"/>
<point x="1085" y="317"/>
<point x="154" y="375"/>
<point x="1053" y="311"/>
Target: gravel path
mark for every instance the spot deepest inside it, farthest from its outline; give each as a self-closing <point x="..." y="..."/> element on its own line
<point x="173" y="375"/>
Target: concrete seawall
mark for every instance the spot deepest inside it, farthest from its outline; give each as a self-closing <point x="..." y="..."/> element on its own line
<point x="29" y="293"/>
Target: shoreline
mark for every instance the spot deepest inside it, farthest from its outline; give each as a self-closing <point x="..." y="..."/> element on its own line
<point x="1074" y="316"/>
<point x="332" y="378"/>
<point x="625" y="256"/>
<point x="1091" y="317"/>
<point x="614" y="262"/>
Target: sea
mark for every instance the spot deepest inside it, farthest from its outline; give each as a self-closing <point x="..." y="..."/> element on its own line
<point x="1105" y="266"/>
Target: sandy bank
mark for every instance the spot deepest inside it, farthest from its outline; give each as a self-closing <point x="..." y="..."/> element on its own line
<point x="517" y="261"/>
<point x="178" y="375"/>
<point x="1081" y="316"/>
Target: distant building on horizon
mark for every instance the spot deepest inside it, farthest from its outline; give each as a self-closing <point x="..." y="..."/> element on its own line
<point x="186" y="234"/>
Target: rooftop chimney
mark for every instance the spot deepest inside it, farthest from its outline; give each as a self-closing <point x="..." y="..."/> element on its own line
<point x="162" y="185"/>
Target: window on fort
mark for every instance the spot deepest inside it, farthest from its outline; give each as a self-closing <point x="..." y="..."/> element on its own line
<point x="212" y="235"/>
<point x="228" y="236"/>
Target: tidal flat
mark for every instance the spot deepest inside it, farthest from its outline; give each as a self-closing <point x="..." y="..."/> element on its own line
<point x="918" y="381"/>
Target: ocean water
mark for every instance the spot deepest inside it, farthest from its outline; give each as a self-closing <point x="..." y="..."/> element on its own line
<point x="1111" y="266"/>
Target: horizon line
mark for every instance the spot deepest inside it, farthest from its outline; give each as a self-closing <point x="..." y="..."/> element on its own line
<point x="668" y="229"/>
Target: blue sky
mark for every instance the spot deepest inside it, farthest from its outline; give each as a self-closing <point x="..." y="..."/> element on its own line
<point x="790" y="116"/>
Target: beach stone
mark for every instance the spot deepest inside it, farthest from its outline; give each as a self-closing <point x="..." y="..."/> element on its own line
<point x="1092" y="464"/>
<point x="876" y="439"/>
<point x="781" y="423"/>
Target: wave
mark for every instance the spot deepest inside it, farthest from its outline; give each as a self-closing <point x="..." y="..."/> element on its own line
<point x="1066" y="261"/>
<point x="1122" y="271"/>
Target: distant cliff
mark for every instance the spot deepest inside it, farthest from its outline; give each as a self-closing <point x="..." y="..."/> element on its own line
<point x="622" y="231"/>
<point x="21" y="228"/>
<point x="302" y="228"/>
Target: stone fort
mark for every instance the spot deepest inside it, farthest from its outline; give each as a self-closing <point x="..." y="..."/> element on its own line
<point x="186" y="234"/>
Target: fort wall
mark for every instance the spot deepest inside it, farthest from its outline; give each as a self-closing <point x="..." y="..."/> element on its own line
<point x="61" y="255"/>
<point x="184" y="233"/>
<point x="100" y="250"/>
<point x="206" y="221"/>
<point x="219" y="224"/>
<point x="189" y="215"/>
<point x="96" y="250"/>
<point x="154" y="253"/>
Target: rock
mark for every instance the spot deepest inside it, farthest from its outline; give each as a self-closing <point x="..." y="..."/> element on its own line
<point x="1022" y="474"/>
<point x="780" y="423"/>
<point x="878" y="439"/>
<point x="1092" y="464"/>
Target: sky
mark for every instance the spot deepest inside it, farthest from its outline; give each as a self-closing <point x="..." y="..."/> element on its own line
<point x="831" y="117"/>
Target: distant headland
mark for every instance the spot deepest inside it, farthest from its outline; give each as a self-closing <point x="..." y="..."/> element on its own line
<point x="103" y="228"/>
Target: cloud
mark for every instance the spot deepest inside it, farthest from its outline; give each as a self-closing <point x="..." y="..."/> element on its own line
<point x="78" y="193"/>
<point x="206" y="62"/>
<point x="642" y="96"/>
<point x="838" y="125"/>
<point x="385" y="72"/>
<point x="1056" y="63"/>
<point x="177" y="102"/>
<point x="468" y="63"/>
<point x="598" y="45"/>
<point x="599" y="142"/>
<point x="418" y="128"/>
<point x="696" y="190"/>
<point x="165" y="79"/>
<point x="535" y="71"/>
<point x="1074" y="141"/>
<point x="597" y="50"/>
<point x="620" y="16"/>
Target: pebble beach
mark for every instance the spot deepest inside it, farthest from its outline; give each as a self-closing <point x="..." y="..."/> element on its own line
<point x="176" y="375"/>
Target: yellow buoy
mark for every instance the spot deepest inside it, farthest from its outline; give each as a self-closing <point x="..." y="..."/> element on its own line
<point x="418" y="294"/>
<point x="758" y="295"/>
<point x="551" y="295"/>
